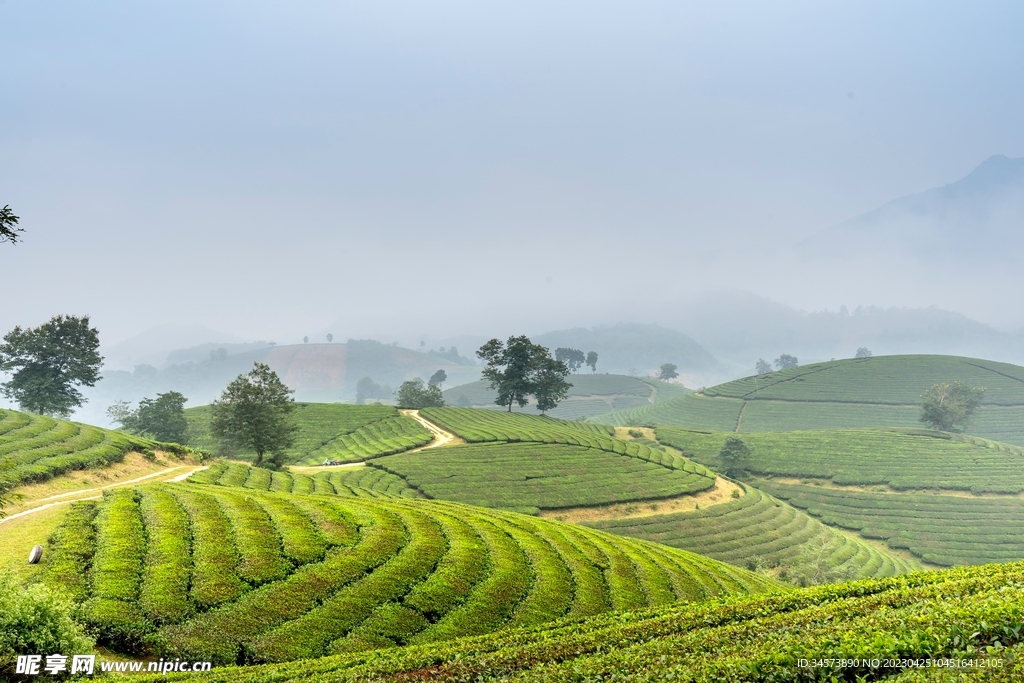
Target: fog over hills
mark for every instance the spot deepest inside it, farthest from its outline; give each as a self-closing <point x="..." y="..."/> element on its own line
<point x="980" y="217"/>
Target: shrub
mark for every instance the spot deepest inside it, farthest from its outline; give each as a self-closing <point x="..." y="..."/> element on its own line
<point x="34" y="620"/>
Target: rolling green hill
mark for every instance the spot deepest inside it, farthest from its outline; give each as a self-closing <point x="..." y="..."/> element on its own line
<point x="529" y="477"/>
<point x="590" y="395"/>
<point x="40" y="447"/>
<point x="533" y="463"/>
<point x="883" y="391"/>
<point x="231" y="574"/>
<point x="883" y="472"/>
<point x="867" y="630"/>
<point x="758" y="530"/>
<point x="898" y="458"/>
<point x="331" y="431"/>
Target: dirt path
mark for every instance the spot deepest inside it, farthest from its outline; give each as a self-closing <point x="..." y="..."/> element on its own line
<point x="40" y="504"/>
<point x="721" y="492"/>
<point x="441" y="437"/>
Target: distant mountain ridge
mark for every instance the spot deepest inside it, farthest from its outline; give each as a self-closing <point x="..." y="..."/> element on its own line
<point x="980" y="215"/>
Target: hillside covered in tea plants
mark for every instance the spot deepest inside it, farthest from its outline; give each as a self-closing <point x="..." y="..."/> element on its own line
<point x="35" y="447"/>
<point x="329" y="431"/>
<point x="884" y="391"/>
<point x="235" y="574"/>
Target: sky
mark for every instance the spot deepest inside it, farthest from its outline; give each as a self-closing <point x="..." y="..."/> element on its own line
<point x="270" y="170"/>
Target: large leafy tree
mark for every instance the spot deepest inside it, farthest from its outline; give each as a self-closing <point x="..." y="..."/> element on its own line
<point x="592" y="360"/>
<point x="162" y="418"/>
<point x="786" y="361"/>
<point x="519" y="368"/>
<point x="9" y="226"/>
<point x="949" y="405"/>
<point x="668" y="371"/>
<point x="49" y="363"/>
<point x="549" y="385"/>
<point x="255" y="412"/>
<point x="415" y="394"/>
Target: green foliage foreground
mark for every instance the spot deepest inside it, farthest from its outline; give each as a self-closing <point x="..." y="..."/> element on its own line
<point x="228" y="574"/>
<point x="974" y="614"/>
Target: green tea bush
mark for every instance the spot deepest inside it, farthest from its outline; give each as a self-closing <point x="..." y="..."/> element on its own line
<point x="36" y="620"/>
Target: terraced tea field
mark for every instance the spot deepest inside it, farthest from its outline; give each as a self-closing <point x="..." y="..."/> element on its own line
<point x="331" y="431"/>
<point x="42" y="447"/>
<point x="757" y="529"/>
<point x="232" y="574"/>
<point x="900" y="459"/>
<point x="529" y="477"/>
<point x="883" y="391"/>
<point x="940" y="529"/>
<point x="364" y="482"/>
<point x="889" y="627"/>
<point x="590" y="395"/>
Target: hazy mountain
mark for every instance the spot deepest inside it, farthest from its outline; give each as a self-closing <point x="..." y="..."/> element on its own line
<point x="980" y="216"/>
<point x="152" y="346"/>
<point x="740" y="327"/>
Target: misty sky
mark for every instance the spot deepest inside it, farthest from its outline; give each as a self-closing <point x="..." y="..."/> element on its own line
<point x="266" y="169"/>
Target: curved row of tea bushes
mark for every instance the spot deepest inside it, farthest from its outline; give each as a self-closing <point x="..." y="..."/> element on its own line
<point x="758" y="530"/>
<point x="263" y="576"/>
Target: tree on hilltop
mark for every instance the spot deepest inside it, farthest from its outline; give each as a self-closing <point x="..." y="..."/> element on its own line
<point x="9" y="226"/>
<point x="948" y="404"/>
<point x="785" y="362"/>
<point x="592" y="360"/>
<point x="519" y="368"/>
<point x="573" y="358"/>
<point x="330" y="337"/>
<point x="414" y="394"/>
<point x="863" y="352"/>
<point x="438" y="378"/>
<point x="162" y="418"/>
<point x="668" y="371"/>
<point x="48" y="363"/>
<point x="305" y="340"/>
<point x="762" y="367"/>
<point x="255" y="412"/>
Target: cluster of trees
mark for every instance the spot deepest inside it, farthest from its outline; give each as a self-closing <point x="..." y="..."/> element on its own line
<point x="519" y="369"/>
<point x="783" y="362"/>
<point x="366" y="388"/>
<point x="416" y="394"/>
<point x="162" y="418"/>
<point x="574" y="359"/>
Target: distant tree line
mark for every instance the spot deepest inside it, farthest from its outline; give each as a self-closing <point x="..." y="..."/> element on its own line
<point x="574" y="359"/>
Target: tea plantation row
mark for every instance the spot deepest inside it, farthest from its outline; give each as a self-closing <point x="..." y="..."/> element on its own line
<point x="901" y="459"/>
<point x="880" y="627"/>
<point x="229" y="574"/>
<point x="528" y="477"/>
<point x="940" y="529"/>
<point x="758" y="529"/>
<point x="483" y="426"/>
<point x="42" y="447"/>
<point x="365" y="482"/>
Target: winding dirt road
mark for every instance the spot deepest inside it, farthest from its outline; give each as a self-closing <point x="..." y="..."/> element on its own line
<point x="441" y="437"/>
<point x="97" y="492"/>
